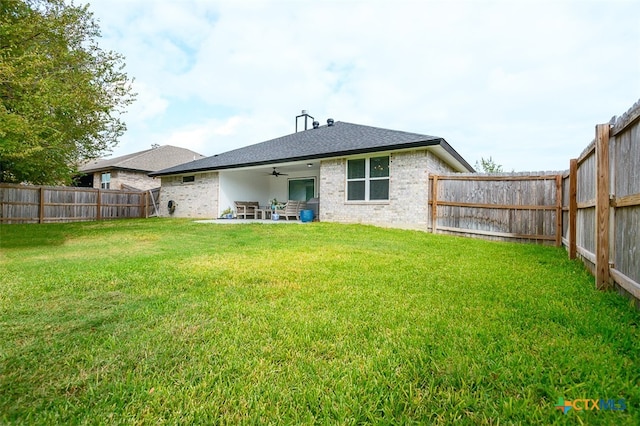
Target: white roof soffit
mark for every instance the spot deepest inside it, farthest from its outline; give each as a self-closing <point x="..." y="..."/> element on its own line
<point x="448" y="158"/>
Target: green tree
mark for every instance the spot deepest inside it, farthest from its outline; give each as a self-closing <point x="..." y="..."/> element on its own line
<point x="488" y="166"/>
<point x="61" y="95"/>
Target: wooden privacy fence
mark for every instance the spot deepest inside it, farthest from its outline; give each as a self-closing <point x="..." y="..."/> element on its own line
<point x="603" y="204"/>
<point x="45" y="204"/>
<point x="593" y="208"/>
<point x="506" y="206"/>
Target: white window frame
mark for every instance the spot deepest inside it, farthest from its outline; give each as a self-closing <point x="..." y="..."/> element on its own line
<point x="105" y="183"/>
<point x="367" y="179"/>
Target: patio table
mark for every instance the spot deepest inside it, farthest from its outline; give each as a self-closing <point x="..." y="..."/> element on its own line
<point x="263" y="212"/>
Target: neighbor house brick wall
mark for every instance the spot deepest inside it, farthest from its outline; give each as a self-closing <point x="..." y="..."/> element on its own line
<point x="408" y="204"/>
<point x="197" y="199"/>
<point x="138" y="180"/>
<point x="97" y="180"/>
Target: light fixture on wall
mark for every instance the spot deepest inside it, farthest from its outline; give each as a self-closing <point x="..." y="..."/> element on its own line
<point x="309" y="164"/>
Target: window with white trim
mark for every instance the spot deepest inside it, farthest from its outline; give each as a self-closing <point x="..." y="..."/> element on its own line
<point x="368" y="179"/>
<point x="105" y="181"/>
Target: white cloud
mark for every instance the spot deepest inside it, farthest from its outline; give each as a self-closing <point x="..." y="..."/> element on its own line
<point x="229" y="127"/>
<point x="524" y="82"/>
<point x="149" y="104"/>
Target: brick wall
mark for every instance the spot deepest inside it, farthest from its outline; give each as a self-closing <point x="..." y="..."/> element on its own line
<point x="197" y="199"/>
<point x="138" y="180"/>
<point x="407" y="206"/>
<point x="96" y="180"/>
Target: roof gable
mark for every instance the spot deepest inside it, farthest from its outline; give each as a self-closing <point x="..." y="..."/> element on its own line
<point x="149" y="160"/>
<point x="326" y="141"/>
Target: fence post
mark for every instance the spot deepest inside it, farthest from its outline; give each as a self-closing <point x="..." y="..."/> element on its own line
<point x="434" y="203"/>
<point x="41" y="210"/>
<point x="573" y="207"/>
<point x="99" y="206"/>
<point x="143" y="205"/>
<point x="558" y="210"/>
<point x="602" y="206"/>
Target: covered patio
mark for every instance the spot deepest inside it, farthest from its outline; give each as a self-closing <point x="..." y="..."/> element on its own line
<point x="261" y="184"/>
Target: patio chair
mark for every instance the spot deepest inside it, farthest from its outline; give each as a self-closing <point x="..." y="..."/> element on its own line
<point x="246" y="209"/>
<point x="292" y="209"/>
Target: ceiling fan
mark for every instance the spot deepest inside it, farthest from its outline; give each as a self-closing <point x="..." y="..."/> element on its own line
<point x="276" y="173"/>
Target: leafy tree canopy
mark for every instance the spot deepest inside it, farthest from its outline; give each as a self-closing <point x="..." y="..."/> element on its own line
<point x="488" y="166"/>
<point x="61" y="94"/>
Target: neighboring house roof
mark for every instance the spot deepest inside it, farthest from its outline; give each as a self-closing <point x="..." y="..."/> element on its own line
<point x="339" y="139"/>
<point x="149" y="160"/>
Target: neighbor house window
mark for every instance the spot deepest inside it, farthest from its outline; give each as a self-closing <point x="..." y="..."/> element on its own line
<point x="105" y="181"/>
<point x="188" y="179"/>
<point x="368" y="179"/>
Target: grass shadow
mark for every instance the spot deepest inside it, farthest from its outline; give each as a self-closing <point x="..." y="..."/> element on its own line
<point x="35" y="235"/>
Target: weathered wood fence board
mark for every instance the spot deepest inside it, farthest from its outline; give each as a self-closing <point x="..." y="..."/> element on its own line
<point x="45" y="204"/>
<point x="624" y="194"/>
<point x="585" y="205"/>
<point x="607" y="218"/>
<point x="521" y="206"/>
<point x="593" y="208"/>
<point x="153" y="200"/>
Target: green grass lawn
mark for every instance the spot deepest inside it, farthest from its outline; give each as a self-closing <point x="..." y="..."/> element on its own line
<point x="171" y="321"/>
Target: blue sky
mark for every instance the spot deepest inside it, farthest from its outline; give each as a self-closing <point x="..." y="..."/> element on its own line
<point x="524" y="82"/>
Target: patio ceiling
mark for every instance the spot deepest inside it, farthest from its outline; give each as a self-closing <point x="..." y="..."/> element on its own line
<point x="285" y="168"/>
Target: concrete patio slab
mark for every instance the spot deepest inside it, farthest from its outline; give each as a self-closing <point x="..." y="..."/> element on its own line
<point x="246" y="221"/>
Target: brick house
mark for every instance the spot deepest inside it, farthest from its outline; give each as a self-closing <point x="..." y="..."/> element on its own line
<point x="360" y="174"/>
<point x="131" y="171"/>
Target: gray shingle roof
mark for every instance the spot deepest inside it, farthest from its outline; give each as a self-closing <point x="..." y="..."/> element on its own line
<point x="324" y="142"/>
<point x="149" y="160"/>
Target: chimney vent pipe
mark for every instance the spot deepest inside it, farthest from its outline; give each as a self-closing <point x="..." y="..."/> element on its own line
<point x="306" y="116"/>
